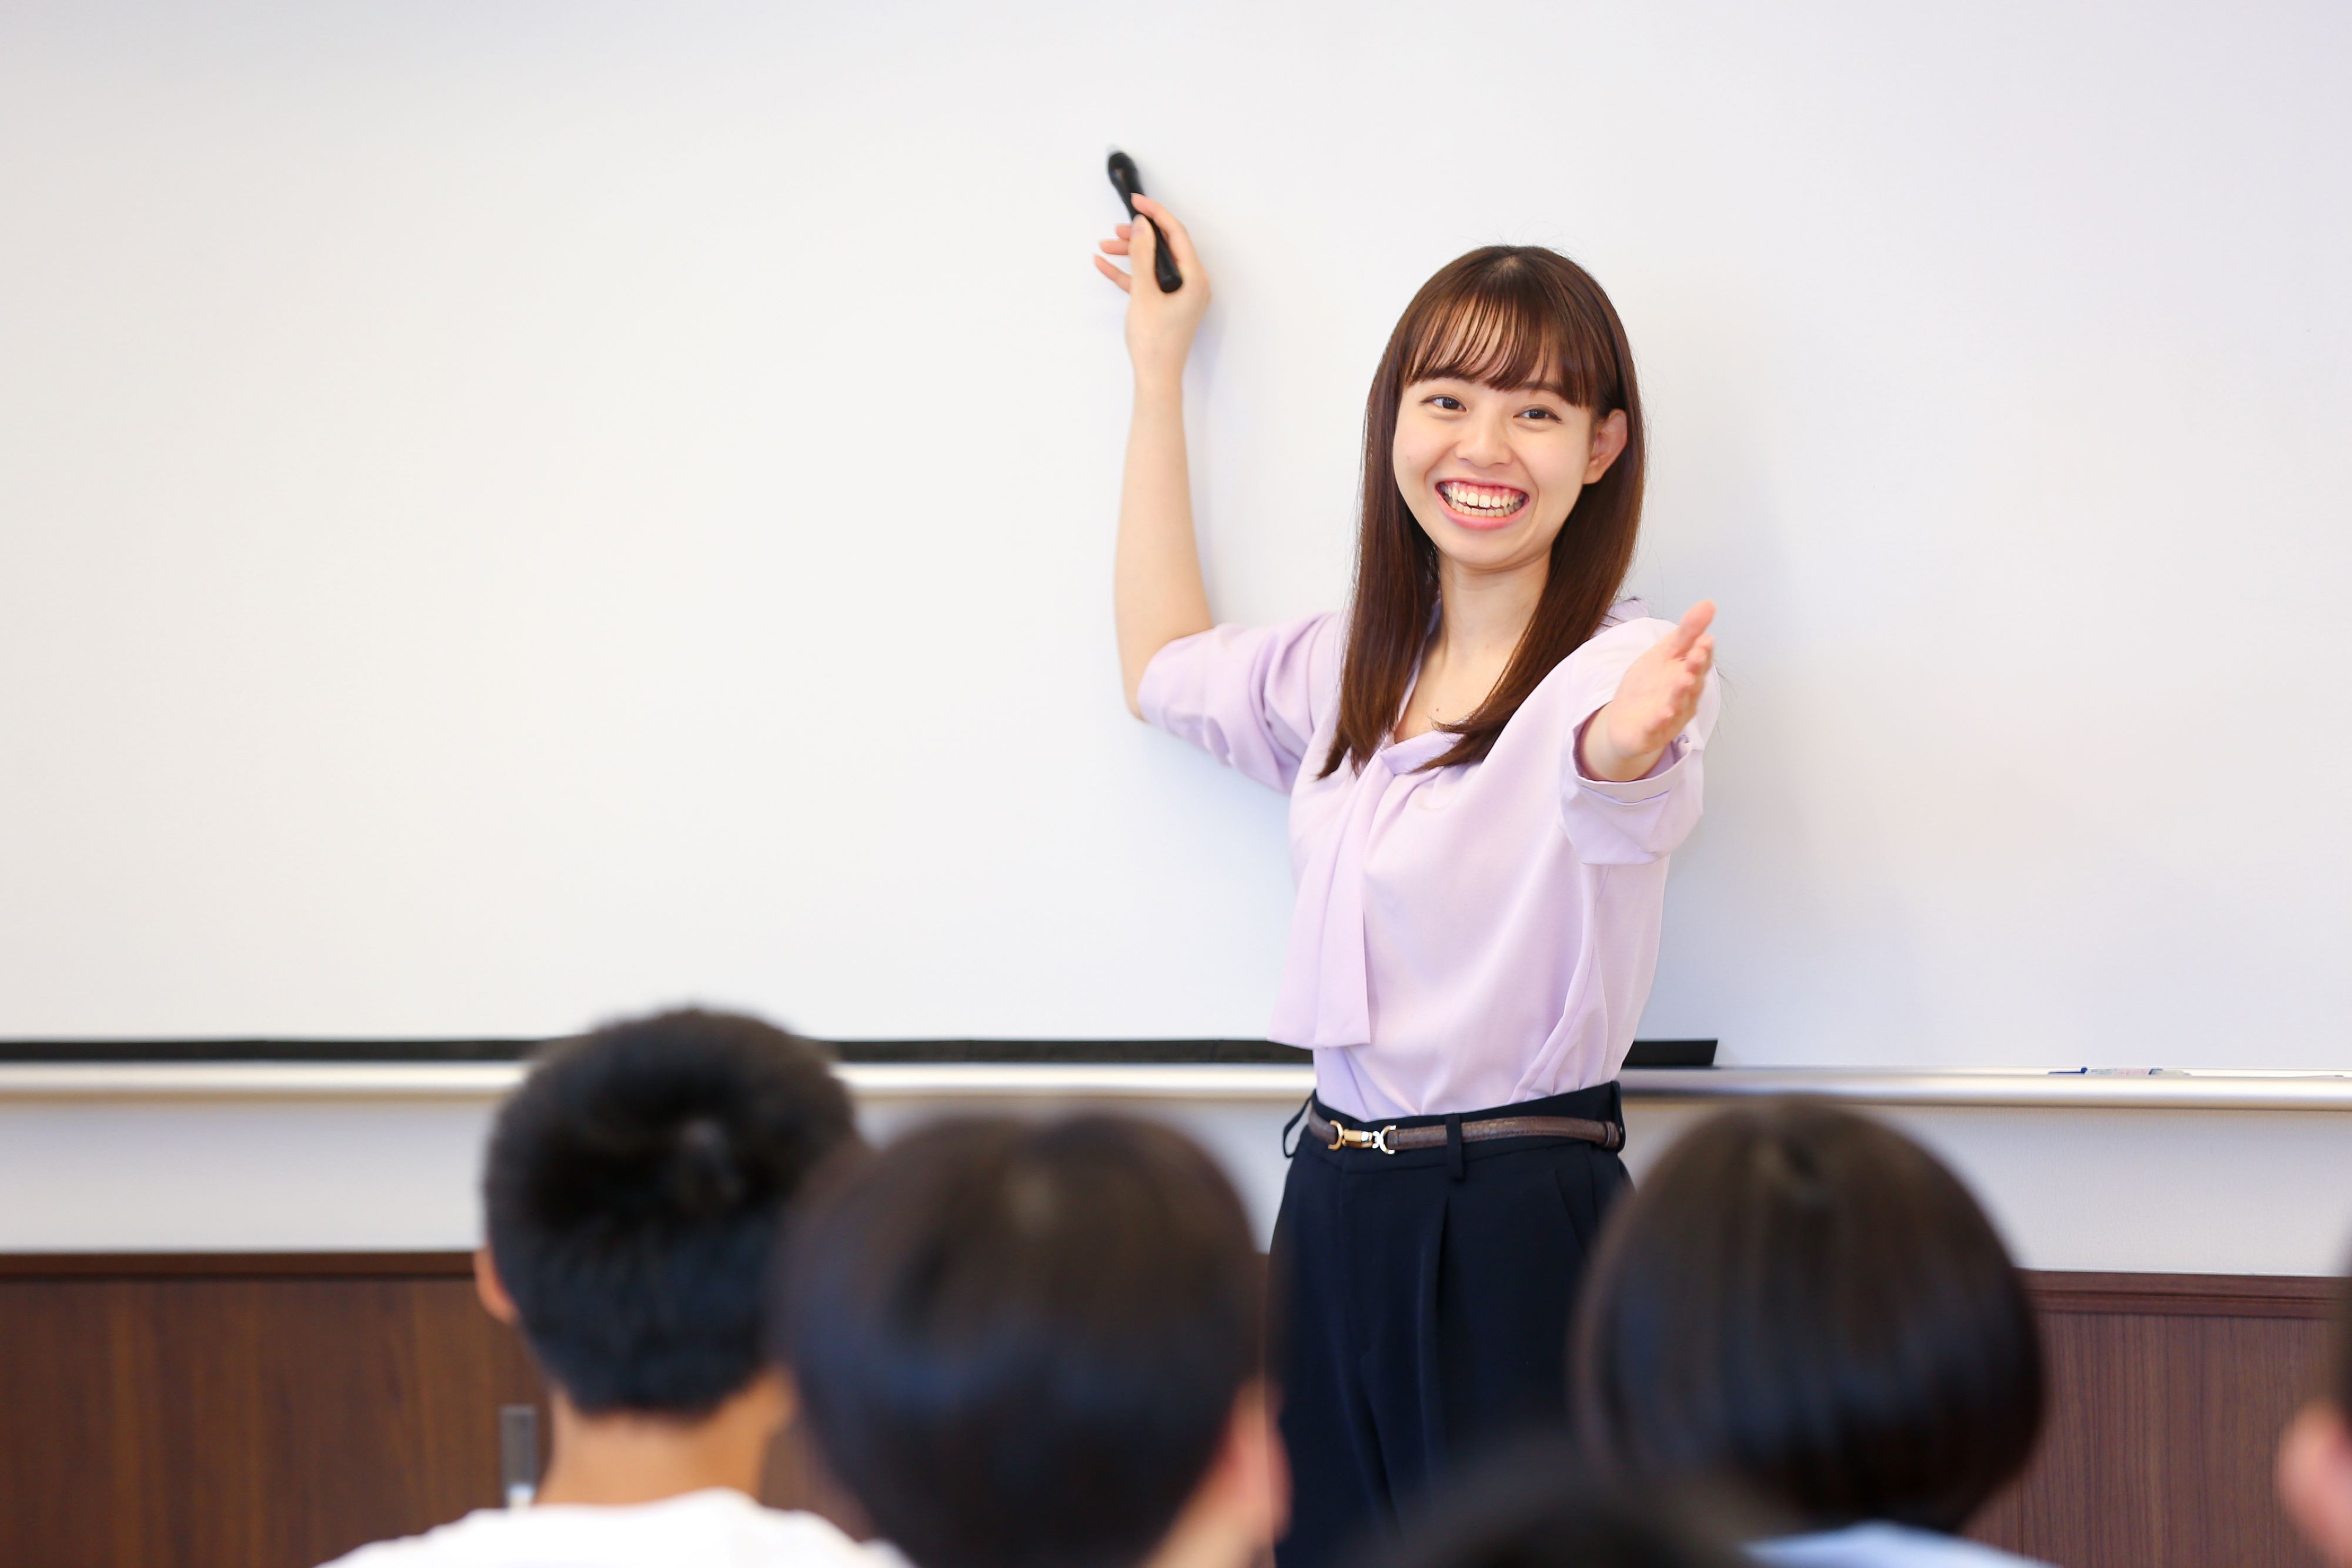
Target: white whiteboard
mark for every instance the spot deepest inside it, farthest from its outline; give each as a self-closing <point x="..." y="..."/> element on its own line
<point x="509" y="513"/>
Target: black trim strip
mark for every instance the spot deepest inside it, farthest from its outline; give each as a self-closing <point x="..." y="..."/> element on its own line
<point x="1148" y="1052"/>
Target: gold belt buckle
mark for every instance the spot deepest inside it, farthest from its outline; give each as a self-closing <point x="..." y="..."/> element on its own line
<point x="1363" y="1138"/>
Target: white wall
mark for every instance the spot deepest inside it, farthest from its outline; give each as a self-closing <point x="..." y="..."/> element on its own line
<point x="510" y="512"/>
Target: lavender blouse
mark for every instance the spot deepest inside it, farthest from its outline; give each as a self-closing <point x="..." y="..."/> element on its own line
<point x="1465" y="938"/>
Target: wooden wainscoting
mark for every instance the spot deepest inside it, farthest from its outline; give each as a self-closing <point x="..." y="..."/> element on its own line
<point x="268" y="1409"/>
<point x="274" y="1411"/>
<point x="2167" y="1395"/>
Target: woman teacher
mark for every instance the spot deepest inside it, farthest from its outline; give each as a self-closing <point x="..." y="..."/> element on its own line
<point x="1489" y="758"/>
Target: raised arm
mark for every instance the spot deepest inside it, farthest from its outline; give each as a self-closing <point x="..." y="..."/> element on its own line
<point x="1157" y="584"/>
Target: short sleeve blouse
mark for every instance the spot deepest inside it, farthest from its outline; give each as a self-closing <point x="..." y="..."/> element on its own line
<point x="1464" y="938"/>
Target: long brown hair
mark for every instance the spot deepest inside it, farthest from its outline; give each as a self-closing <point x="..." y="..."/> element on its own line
<point x="1508" y="315"/>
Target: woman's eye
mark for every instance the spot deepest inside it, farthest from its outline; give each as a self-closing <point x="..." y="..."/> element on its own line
<point x="1536" y="414"/>
<point x="1442" y="401"/>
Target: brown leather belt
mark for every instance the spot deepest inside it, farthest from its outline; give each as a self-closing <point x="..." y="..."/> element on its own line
<point x="1395" y="1140"/>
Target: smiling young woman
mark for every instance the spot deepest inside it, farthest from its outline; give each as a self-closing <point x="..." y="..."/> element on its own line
<point x="1490" y="759"/>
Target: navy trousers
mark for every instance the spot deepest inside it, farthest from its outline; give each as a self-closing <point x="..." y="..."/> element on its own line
<point x="1422" y="1309"/>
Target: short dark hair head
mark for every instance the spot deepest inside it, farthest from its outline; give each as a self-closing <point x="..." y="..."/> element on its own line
<point x="1020" y="1344"/>
<point x="1533" y="1507"/>
<point x="1803" y="1301"/>
<point x="636" y="1189"/>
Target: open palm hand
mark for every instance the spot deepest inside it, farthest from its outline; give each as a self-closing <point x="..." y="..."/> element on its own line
<point x="1655" y="701"/>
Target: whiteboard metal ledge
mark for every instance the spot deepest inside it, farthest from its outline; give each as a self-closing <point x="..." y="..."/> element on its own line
<point x="2022" y="1088"/>
<point x="1241" y="1082"/>
<point x="2218" y="1174"/>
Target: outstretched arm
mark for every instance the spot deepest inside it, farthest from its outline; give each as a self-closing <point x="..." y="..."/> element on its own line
<point x="1655" y="702"/>
<point x="1157" y="585"/>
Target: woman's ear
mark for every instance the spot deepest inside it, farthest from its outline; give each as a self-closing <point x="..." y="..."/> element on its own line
<point x="491" y="1289"/>
<point x="2314" y="1479"/>
<point x="1608" y="444"/>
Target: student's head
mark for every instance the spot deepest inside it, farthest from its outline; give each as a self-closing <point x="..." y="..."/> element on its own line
<point x="1523" y="1509"/>
<point x="1503" y="433"/>
<point x="636" y="1189"/>
<point x="1803" y="1303"/>
<point x="2314" y="1458"/>
<point x="1037" y="1346"/>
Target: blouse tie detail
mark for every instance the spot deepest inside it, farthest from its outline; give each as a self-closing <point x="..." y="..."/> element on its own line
<point x="1325" y="995"/>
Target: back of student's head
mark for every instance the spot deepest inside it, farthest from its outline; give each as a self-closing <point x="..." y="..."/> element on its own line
<point x="1803" y="1303"/>
<point x="636" y="1189"/>
<point x="1021" y="1344"/>
<point x="1536" y="1507"/>
<point x="2315" y="1460"/>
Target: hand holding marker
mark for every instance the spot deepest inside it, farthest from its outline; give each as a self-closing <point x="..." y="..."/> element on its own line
<point x="1128" y="184"/>
<point x="1161" y="320"/>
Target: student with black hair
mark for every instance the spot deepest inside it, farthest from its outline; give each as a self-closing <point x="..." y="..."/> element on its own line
<point x="1805" y="1305"/>
<point x="2314" y="1457"/>
<point x="1039" y="1345"/>
<point x="636" y="1189"/>
<point x="1513" y="1511"/>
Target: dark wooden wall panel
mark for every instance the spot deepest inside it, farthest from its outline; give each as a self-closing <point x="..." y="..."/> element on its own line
<point x="267" y="1411"/>
<point x="2166" y="1396"/>
<point x="273" y="1412"/>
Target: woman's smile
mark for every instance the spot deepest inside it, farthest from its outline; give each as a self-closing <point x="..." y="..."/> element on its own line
<point x="1473" y="505"/>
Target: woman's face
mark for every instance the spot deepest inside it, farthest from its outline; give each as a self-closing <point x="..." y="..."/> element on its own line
<point x="1491" y="476"/>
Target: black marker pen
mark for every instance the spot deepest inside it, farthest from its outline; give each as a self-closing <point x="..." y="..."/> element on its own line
<point x="1129" y="185"/>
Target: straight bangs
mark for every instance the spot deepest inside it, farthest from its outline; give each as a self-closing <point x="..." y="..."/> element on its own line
<point x="1503" y="328"/>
